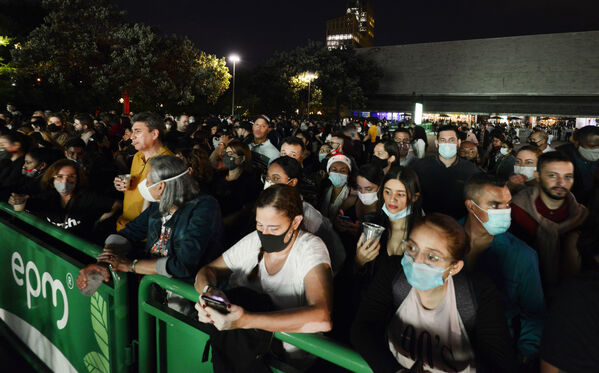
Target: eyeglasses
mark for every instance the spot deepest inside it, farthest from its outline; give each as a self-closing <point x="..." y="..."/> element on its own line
<point x="409" y="247"/>
<point x="65" y="177"/>
<point x="276" y="179"/>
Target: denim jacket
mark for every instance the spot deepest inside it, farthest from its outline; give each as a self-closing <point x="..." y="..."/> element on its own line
<point x="196" y="236"/>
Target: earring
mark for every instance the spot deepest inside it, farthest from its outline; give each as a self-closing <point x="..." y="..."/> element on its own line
<point x="450" y="272"/>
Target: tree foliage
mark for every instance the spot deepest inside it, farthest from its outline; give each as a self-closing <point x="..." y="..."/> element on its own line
<point x="343" y="79"/>
<point x="86" y="49"/>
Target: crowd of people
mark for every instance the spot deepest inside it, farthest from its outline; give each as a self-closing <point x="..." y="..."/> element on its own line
<point x="486" y="257"/>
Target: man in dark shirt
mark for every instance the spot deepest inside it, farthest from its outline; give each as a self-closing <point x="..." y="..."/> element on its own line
<point x="584" y="154"/>
<point x="442" y="176"/>
<point x="294" y="147"/>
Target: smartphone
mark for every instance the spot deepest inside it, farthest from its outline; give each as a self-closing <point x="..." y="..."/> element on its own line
<point x="216" y="302"/>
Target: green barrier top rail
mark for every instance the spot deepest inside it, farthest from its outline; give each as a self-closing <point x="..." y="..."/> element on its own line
<point x="80" y="244"/>
<point x="315" y="344"/>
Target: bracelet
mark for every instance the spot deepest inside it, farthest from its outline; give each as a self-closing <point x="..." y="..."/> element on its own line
<point x="206" y="288"/>
<point x="133" y="265"/>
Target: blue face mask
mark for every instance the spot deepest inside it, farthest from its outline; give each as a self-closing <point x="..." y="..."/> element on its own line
<point x="338" y="179"/>
<point x="448" y="151"/>
<point x="499" y="220"/>
<point x="321" y="157"/>
<point x="422" y="276"/>
<point x="402" y="214"/>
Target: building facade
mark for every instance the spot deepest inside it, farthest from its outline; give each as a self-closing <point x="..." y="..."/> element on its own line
<point x="556" y="74"/>
<point x="353" y="29"/>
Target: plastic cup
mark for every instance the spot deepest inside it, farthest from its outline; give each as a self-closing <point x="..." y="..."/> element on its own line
<point x="19" y="207"/>
<point x="20" y="202"/>
<point x="126" y="178"/>
<point x="94" y="280"/>
<point x="372" y="230"/>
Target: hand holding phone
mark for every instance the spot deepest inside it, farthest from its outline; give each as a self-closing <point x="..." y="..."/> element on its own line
<point x="216" y="302"/>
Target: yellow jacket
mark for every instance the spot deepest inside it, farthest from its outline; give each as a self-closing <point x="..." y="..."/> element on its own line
<point x="133" y="201"/>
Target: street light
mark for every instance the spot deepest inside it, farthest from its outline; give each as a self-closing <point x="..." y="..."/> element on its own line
<point x="309" y="77"/>
<point x="233" y="58"/>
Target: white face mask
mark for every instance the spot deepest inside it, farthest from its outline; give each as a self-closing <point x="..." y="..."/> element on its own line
<point x="144" y="189"/>
<point x="503" y="151"/>
<point x="368" y="198"/>
<point x="267" y="184"/>
<point x="448" y="151"/>
<point x="589" y="154"/>
<point x="529" y="172"/>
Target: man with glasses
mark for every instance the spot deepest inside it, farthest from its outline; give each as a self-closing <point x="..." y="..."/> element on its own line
<point x="442" y="176"/>
<point x="539" y="138"/>
<point x="509" y="262"/>
<point x="404" y="145"/>
<point x="336" y="143"/>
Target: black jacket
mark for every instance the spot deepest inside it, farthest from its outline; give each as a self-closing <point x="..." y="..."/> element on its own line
<point x="586" y="172"/>
<point x="490" y="339"/>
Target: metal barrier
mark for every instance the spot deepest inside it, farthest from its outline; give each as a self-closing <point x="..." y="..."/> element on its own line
<point x="41" y="305"/>
<point x="163" y="331"/>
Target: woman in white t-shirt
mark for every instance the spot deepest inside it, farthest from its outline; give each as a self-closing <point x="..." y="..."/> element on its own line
<point x="278" y="259"/>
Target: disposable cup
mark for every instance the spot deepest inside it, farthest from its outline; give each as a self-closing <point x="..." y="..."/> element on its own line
<point x="372" y="230"/>
<point x="126" y="178"/>
<point x="19" y="207"/>
<point x="94" y="280"/>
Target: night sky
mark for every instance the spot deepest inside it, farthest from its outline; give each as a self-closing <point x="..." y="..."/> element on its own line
<point x="255" y="29"/>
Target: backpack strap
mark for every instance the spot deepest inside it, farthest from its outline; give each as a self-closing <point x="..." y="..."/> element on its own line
<point x="401" y="288"/>
<point x="464" y="292"/>
<point x="466" y="301"/>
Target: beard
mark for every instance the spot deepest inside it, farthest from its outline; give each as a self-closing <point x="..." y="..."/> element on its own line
<point x="555" y="192"/>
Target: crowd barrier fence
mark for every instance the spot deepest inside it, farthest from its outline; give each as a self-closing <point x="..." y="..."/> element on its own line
<point x="42" y="309"/>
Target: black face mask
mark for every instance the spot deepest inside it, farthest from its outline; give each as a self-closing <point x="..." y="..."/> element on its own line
<point x="471" y="159"/>
<point x="53" y="128"/>
<point x="229" y="163"/>
<point x="273" y="244"/>
<point x="382" y="163"/>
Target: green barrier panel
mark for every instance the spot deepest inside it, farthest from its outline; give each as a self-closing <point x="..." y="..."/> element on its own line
<point x="40" y="303"/>
<point x="191" y="341"/>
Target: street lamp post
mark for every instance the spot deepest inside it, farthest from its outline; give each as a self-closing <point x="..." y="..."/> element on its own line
<point x="233" y="58"/>
<point x="309" y="77"/>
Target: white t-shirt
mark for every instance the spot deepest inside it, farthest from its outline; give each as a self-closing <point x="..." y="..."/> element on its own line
<point x="419" y="148"/>
<point x="286" y="287"/>
<point x="313" y="219"/>
<point x="437" y="337"/>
